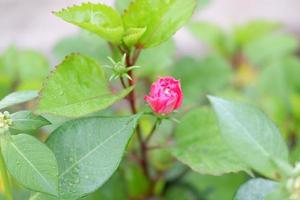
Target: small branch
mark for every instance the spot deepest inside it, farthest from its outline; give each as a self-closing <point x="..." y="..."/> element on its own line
<point x="123" y="82"/>
<point x="136" y="55"/>
<point x="156" y="124"/>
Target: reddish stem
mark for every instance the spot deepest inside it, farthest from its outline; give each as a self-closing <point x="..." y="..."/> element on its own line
<point x="132" y="102"/>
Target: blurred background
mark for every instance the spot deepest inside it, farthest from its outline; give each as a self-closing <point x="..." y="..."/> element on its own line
<point x="238" y="49"/>
<point x="31" y="24"/>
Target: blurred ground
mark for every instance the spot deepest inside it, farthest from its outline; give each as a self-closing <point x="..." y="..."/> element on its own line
<point x="30" y="23"/>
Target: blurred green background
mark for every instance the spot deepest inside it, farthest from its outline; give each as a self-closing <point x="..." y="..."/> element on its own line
<point x="249" y="54"/>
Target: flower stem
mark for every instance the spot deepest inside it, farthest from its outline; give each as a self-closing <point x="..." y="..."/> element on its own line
<point x="156" y="124"/>
<point x="4" y="176"/>
<point x="132" y="102"/>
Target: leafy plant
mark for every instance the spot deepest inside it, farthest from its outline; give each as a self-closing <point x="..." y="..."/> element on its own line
<point x="121" y="118"/>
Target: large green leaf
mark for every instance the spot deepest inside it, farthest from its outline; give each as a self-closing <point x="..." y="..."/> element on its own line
<point x="115" y="188"/>
<point x="31" y="163"/>
<point x="26" y="121"/>
<point x="97" y="18"/>
<point x="88" y="151"/>
<point x="17" y="98"/>
<point x="77" y="87"/>
<point x="251" y="135"/>
<point x="256" y="189"/>
<point x="161" y="18"/>
<point x="198" y="144"/>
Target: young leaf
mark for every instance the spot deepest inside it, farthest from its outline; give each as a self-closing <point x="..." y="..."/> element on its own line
<point x="89" y="150"/>
<point x="31" y="163"/>
<point x="97" y="18"/>
<point x="26" y="121"/>
<point x="133" y="35"/>
<point x="198" y="144"/>
<point x="77" y="87"/>
<point x="160" y="18"/>
<point x="256" y="189"/>
<point x="251" y="135"/>
<point x="17" y="98"/>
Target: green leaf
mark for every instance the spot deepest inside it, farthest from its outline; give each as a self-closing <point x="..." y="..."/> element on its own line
<point x="77" y="87"/>
<point x="31" y="163"/>
<point x="278" y="194"/>
<point x="199" y="145"/>
<point x="133" y="35"/>
<point x="43" y="196"/>
<point x="26" y="121"/>
<point x="198" y="77"/>
<point x="97" y="18"/>
<point x="161" y="18"/>
<point x="136" y="182"/>
<point x="115" y="188"/>
<point x="216" y="187"/>
<point x="256" y="189"/>
<point x="17" y="98"/>
<point x="89" y="151"/>
<point x="251" y="135"/>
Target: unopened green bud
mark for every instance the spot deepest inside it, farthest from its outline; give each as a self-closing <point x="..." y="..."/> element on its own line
<point x="119" y="69"/>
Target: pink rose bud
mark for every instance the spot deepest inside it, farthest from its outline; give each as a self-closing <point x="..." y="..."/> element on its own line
<point x="165" y="95"/>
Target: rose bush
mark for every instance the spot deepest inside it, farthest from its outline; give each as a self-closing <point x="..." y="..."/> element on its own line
<point x="118" y="124"/>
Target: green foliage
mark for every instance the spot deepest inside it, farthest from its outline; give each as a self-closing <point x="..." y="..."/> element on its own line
<point x="200" y="146"/>
<point x="161" y="59"/>
<point x="215" y="37"/>
<point x="31" y="163"/>
<point x="114" y="188"/>
<point x="194" y="186"/>
<point x="17" y="98"/>
<point x="198" y="77"/>
<point x="97" y="18"/>
<point x="256" y="189"/>
<point x="77" y="87"/>
<point x="271" y="48"/>
<point x="204" y="156"/>
<point x="248" y="133"/>
<point x="26" y="121"/>
<point x="89" y="151"/>
<point x="160" y="18"/>
<point x="22" y="70"/>
<point x="254" y="30"/>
